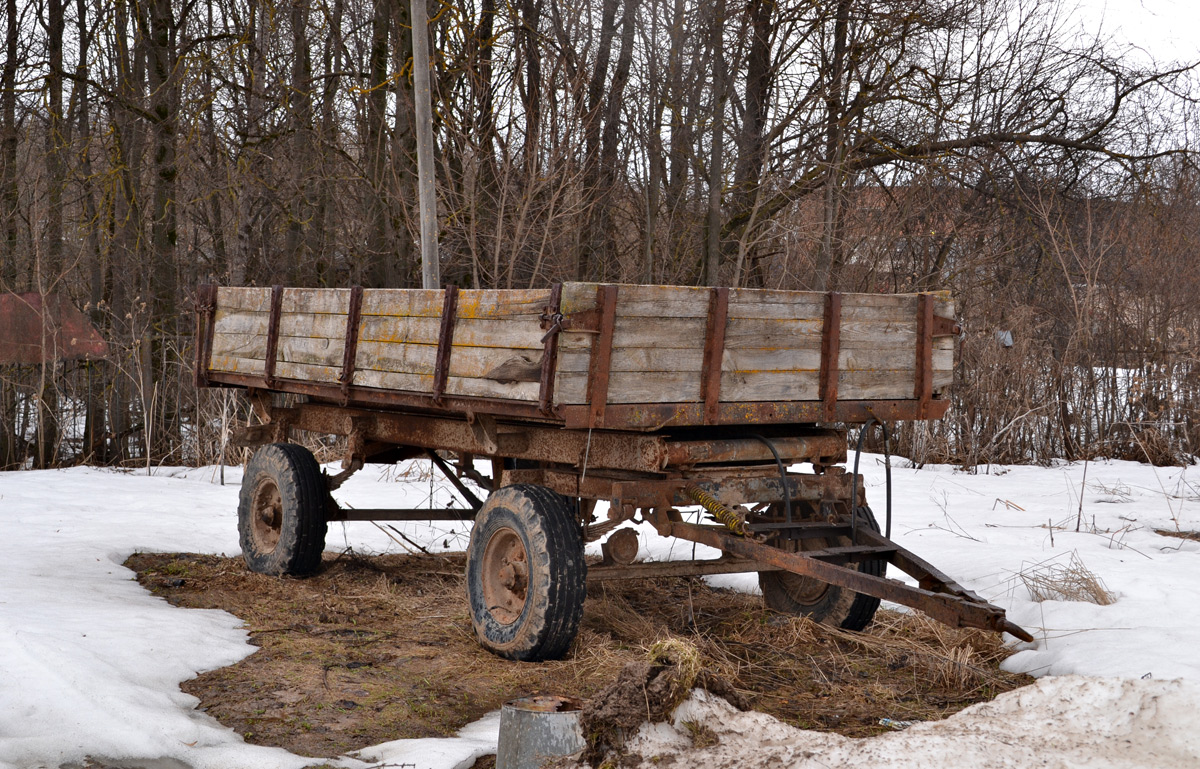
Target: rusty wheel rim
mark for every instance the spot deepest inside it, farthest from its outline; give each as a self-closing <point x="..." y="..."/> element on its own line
<point x="266" y="515"/>
<point x="505" y="572"/>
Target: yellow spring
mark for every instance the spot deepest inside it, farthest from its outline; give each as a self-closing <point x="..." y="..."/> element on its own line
<point x="733" y="521"/>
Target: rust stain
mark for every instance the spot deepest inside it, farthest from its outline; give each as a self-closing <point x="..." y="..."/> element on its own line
<point x="36" y="328"/>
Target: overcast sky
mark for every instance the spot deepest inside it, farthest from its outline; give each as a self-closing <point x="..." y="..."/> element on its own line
<point x="1167" y="29"/>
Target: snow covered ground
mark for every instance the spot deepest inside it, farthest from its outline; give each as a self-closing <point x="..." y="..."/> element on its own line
<point x="90" y="662"/>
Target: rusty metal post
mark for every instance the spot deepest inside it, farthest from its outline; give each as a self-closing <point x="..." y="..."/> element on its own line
<point x="601" y="360"/>
<point x="831" y="333"/>
<point x="714" y="353"/>
<point x="350" y="350"/>
<point x="273" y="335"/>
<point x="441" y="369"/>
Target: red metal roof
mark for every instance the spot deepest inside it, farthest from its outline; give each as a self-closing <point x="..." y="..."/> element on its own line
<point x="37" y="328"/>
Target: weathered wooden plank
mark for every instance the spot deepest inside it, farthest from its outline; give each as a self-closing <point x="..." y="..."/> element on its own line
<point x="237" y="321"/>
<point x="313" y="325"/>
<point x="237" y="365"/>
<point x="239" y="298"/>
<point x="691" y="302"/>
<point x="328" y="301"/>
<point x="472" y="303"/>
<point x="470" y="362"/>
<point x="315" y="351"/>
<point x="750" y="333"/>
<point x="468" y="332"/>
<point x="680" y="387"/>
<point x="752" y="360"/>
<point x="802" y="386"/>
<point x="250" y="346"/>
<point x="325" y="352"/>
<point x="633" y="387"/>
<point x="459" y="386"/>
<point x="290" y="323"/>
<point x="307" y="372"/>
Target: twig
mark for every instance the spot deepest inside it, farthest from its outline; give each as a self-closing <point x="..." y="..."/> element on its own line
<point x="1082" y="488"/>
<point x="398" y="542"/>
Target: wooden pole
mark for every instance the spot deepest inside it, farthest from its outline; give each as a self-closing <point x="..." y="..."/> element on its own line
<point x="431" y="273"/>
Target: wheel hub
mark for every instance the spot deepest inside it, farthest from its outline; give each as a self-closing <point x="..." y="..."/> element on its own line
<point x="267" y="515"/>
<point x="505" y="572"/>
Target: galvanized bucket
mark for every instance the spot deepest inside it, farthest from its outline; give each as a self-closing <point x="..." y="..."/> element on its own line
<point x="534" y="730"/>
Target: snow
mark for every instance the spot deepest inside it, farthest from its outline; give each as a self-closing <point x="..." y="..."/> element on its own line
<point x="92" y="662"/>
<point x="1058" y="722"/>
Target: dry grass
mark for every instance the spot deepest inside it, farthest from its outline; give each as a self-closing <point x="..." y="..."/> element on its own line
<point x="1071" y="582"/>
<point x="1191" y="535"/>
<point x="375" y="649"/>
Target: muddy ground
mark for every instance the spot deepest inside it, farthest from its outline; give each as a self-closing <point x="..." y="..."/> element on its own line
<point x="380" y="648"/>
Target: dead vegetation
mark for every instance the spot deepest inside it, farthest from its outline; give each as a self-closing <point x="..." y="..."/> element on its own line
<point x="381" y="648"/>
<point x="1072" y="581"/>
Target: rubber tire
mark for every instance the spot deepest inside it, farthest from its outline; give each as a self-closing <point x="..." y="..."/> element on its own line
<point x="838" y="606"/>
<point x="304" y="499"/>
<point x="546" y="525"/>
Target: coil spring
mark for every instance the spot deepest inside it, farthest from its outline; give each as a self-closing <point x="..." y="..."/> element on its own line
<point x="733" y="521"/>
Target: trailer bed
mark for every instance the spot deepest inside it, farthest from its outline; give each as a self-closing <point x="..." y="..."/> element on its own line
<point x="590" y="355"/>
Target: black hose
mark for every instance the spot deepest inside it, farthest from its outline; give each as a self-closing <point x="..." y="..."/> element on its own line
<point x="887" y="469"/>
<point x="854" y="482"/>
<point x="787" y="496"/>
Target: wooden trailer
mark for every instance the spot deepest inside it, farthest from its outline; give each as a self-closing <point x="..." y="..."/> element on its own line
<point x="651" y="398"/>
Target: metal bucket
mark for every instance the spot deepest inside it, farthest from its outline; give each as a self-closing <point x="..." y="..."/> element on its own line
<point x="534" y="730"/>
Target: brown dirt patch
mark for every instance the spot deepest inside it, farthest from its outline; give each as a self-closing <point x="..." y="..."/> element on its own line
<point x="381" y="648"/>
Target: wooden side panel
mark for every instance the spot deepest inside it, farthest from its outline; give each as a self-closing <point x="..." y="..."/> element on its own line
<point x="497" y="342"/>
<point x="772" y="346"/>
<point x="240" y="330"/>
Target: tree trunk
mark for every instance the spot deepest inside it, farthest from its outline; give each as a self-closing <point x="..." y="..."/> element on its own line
<point x="303" y="149"/>
<point x="164" y="221"/>
<point x="716" y="161"/>
<point x="10" y="273"/>
<point x="94" y="419"/>
<point x="404" y="159"/>
<point x="829" y="256"/>
<point x="381" y="267"/>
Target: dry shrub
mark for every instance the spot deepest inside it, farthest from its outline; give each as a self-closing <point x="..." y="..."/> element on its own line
<point x="1072" y="582"/>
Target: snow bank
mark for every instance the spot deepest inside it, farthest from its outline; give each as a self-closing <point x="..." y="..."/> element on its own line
<point x="91" y="662"/>
<point x="1069" y="721"/>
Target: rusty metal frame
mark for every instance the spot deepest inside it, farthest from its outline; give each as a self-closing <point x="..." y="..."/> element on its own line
<point x="714" y="353"/>
<point x="948" y="603"/>
<point x="441" y="366"/>
<point x="273" y="336"/>
<point x="736" y="487"/>
<point x="601" y="359"/>
<point x="640" y="417"/>
<point x="656" y="416"/>
<point x="472" y="500"/>
<point x="831" y="332"/>
<point x="399" y="514"/>
<point x="550" y="352"/>
<point x="638" y="471"/>
<point x="350" y="349"/>
<point x="649" y="455"/>
<point x="923" y="384"/>
<point x="658" y="569"/>
<point x="206" y="307"/>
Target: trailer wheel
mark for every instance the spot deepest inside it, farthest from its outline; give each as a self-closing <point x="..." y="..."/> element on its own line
<point x="828" y="604"/>
<point x="281" y="511"/>
<point x="526" y="577"/>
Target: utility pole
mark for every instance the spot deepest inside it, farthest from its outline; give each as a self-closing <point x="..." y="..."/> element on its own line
<point x="431" y="272"/>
